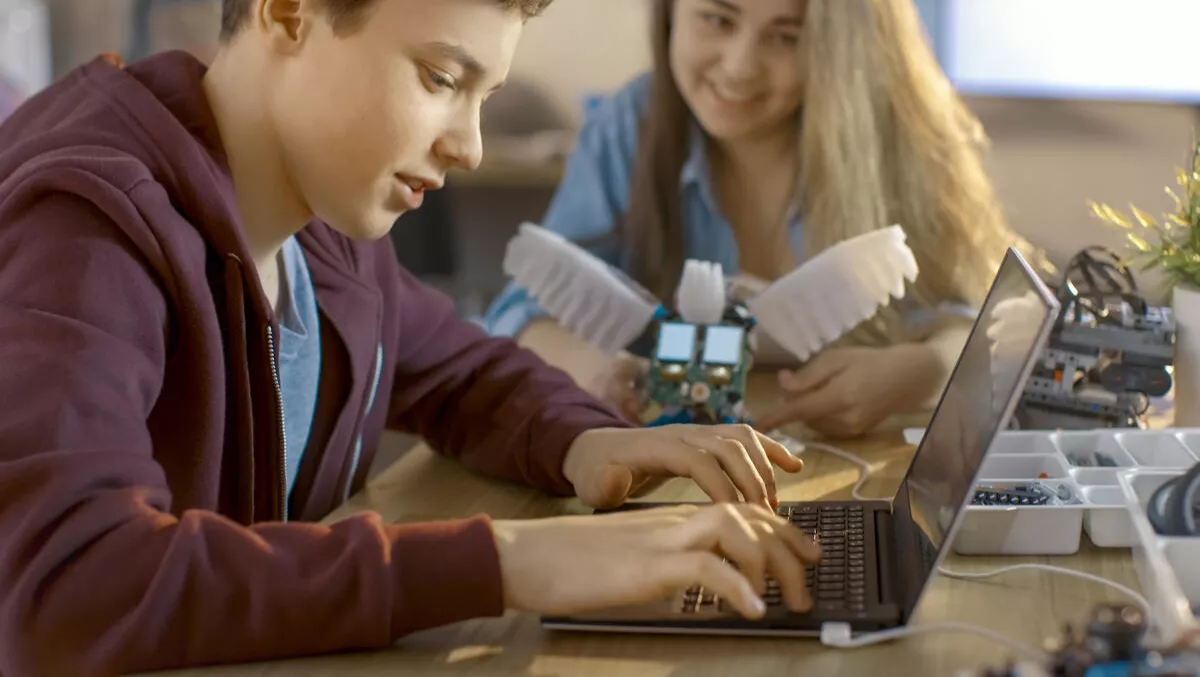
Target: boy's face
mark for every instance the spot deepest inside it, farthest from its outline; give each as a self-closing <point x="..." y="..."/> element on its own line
<point x="369" y="121"/>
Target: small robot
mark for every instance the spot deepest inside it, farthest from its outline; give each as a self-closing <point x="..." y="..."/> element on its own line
<point x="704" y="346"/>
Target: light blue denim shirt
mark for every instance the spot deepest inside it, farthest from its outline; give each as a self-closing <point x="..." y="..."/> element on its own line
<point x="594" y="192"/>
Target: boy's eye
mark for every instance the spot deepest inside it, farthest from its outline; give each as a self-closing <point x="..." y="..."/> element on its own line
<point x="439" y="80"/>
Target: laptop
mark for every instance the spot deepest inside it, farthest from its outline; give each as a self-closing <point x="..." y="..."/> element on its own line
<point x="878" y="556"/>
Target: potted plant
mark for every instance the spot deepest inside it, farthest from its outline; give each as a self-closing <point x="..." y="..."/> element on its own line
<point x="1173" y="247"/>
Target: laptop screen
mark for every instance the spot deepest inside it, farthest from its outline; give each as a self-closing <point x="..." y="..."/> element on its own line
<point x="977" y="402"/>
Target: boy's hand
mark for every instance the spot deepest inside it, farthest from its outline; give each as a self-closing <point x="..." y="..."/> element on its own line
<point x="567" y="565"/>
<point x="609" y="465"/>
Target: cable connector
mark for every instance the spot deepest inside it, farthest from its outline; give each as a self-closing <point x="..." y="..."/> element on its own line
<point x="835" y="634"/>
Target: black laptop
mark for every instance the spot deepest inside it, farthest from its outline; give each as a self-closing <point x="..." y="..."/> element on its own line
<point x="878" y="556"/>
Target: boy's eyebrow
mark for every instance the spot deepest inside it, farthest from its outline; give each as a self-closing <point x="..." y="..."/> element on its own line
<point x="459" y="55"/>
<point x="780" y="21"/>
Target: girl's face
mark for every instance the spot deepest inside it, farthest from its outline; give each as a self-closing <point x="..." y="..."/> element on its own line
<point x="737" y="64"/>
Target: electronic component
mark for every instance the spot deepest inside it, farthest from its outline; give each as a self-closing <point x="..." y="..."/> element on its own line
<point x="1026" y="493"/>
<point x="1111" y="646"/>
<point x="1108" y="354"/>
<point x="1093" y="459"/>
<point x="698" y="372"/>
<point x="1174" y="508"/>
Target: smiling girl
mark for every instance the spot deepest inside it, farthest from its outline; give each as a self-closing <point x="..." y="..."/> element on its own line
<point x="766" y="132"/>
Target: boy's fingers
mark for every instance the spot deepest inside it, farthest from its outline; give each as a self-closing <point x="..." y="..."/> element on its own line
<point x="778" y="454"/>
<point x="684" y="460"/>
<point x="737" y="464"/>
<point x="685" y="569"/>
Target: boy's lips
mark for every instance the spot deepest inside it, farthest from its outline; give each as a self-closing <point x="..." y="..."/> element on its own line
<point x="413" y="189"/>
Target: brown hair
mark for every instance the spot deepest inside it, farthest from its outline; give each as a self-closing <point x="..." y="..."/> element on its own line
<point x="347" y="15"/>
<point x="884" y="139"/>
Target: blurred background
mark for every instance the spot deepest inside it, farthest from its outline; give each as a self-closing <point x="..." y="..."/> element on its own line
<point x="1083" y="100"/>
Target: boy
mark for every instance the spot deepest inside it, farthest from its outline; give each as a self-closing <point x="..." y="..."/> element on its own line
<point x="196" y="367"/>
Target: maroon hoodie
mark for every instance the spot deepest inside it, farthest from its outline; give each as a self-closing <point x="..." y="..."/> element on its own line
<point x="141" y="474"/>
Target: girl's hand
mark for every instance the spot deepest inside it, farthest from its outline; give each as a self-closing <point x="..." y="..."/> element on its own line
<point x="621" y="384"/>
<point x="845" y="392"/>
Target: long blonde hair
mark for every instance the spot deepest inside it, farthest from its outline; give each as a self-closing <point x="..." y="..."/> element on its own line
<point x="884" y="139"/>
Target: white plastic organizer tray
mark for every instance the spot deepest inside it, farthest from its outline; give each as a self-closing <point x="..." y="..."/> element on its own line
<point x="1085" y="467"/>
<point x="1168" y="567"/>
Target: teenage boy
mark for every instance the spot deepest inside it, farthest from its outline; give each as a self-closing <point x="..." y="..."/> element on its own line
<point x="196" y="367"/>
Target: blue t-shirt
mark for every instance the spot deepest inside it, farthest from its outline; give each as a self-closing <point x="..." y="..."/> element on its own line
<point x="594" y="192"/>
<point x="300" y="360"/>
<point x="299" y="353"/>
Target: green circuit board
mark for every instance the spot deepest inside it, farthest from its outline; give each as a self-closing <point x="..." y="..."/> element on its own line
<point x="698" y="372"/>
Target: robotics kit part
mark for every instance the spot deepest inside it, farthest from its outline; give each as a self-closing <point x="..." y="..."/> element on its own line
<point x="698" y="371"/>
<point x="1174" y="508"/>
<point x="1093" y="459"/>
<point x="704" y="347"/>
<point x="1111" y="646"/>
<point x="1025" y="493"/>
<point x="1109" y="353"/>
<point x="803" y="311"/>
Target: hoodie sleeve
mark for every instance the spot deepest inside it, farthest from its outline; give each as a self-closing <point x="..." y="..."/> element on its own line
<point x="97" y="575"/>
<point x="497" y="407"/>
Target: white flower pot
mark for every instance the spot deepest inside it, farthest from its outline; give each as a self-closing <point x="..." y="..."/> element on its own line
<point x="1185" y="305"/>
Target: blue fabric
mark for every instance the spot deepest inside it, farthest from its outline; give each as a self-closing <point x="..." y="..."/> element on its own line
<point x="370" y="405"/>
<point x="595" y="190"/>
<point x="299" y="354"/>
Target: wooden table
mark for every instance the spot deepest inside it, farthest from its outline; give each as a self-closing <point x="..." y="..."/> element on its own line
<point x="1029" y="606"/>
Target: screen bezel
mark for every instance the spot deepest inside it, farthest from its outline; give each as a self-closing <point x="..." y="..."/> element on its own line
<point x="914" y="579"/>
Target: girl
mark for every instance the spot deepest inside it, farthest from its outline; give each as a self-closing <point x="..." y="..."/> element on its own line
<point x="767" y="131"/>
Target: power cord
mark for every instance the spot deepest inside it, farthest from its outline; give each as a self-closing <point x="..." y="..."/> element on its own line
<point x="853" y="458"/>
<point x="840" y="635"/>
<point x="1129" y="592"/>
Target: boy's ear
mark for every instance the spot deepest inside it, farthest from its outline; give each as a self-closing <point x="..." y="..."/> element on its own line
<point x="286" y="23"/>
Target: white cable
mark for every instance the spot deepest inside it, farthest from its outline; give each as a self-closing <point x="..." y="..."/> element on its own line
<point x="838" y="635"/>
<point x="856" y="460"/>
<point x="1132" y="594"/>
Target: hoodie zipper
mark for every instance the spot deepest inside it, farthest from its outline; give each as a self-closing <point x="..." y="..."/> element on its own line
<point x="282" y="428"/>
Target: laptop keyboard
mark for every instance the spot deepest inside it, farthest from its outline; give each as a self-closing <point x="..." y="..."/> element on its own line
<point x="838" y="583"/>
